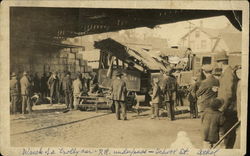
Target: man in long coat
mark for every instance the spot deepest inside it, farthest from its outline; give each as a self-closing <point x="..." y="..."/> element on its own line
<point x="119" y="93"/>
<point x="14" y="92"/>
<point x="77" y="90"/>
<point x="169" y="89"/>
<point x="208" y="88"/>
<point x="227" y="92"/>
<point x="67" y="89"/>
<point x="192" y="98"/>
<point x="26" y="93"/>
<point x="53" y="84"/>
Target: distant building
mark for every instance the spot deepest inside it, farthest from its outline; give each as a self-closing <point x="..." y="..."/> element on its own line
<point x="206" y="40"/>
<point x="145" y="41"/>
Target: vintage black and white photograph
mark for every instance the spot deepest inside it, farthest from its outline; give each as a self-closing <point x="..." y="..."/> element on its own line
<point x="125" y="78"/>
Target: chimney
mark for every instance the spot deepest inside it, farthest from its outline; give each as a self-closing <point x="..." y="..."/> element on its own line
<point x="201" y="23"/>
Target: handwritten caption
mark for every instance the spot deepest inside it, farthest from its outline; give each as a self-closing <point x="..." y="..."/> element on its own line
<point x="117" y="152"/>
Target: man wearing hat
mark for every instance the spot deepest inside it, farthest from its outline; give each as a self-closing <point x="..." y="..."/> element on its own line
<point x="77" y="90"/>
<point x="192" y="98"/>
<point x="208" y="88"/>
<point x="227" y="92"/>
<point x="118" y="95"/>
<point x="169" y="88"/>
<point x="26" y="93"/>
<point x="155" y="99"/>
<point x="67" y="89"/>
<point x="217" y="73"/>
<point x="53" y="84"/>
<point x="14" y="92"/>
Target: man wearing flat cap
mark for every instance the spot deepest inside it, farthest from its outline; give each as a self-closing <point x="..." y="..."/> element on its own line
<point x="208" y="88"/>
<point x="217" y="73"/>
<point x="118" y="95"/>
<point x="169" y="88"/>
<point x="53" y="84"/>
<point x="68" y="91"/>
<point x="77" y="90"/>
<point x="26" y="93"/>
<point x="14" y="92"/>
<point x="227" y="92"/>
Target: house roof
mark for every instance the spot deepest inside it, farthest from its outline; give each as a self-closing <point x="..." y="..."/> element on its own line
<point x="210" y="32"/>
<point x="230" y="36"/>
<point x="214" y="33"/>
<point x="233" y="41"/>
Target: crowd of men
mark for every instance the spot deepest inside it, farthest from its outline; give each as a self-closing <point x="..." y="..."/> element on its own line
<point x="214" y="96"/>
<point x="30" y="89"/>
<point x="218" y="95"/>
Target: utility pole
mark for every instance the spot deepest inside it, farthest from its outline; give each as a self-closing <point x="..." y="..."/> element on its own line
<point x="189" y="31"/>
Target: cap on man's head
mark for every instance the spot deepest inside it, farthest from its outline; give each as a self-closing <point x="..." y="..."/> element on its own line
<point x="221" y="56"/>
<point x="207" y="68"/>
<point x="67" y="73"/>
<point x="168" y="71"/>
<point x="217" y="71"/>
<point x="13" y="74"/>
<point x="195" y="78"/>
<point x="216" y="103"/>
<point x="155" y="80"/>
<point x="78" y="74"/>
<point x="119" y="73"/>
<point x="25" y="73"/>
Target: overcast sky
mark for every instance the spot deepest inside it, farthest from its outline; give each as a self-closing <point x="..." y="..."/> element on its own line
<point x="174" y="31"/>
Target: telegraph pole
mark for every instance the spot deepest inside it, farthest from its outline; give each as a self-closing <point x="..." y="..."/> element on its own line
<point x="189" y="31"/>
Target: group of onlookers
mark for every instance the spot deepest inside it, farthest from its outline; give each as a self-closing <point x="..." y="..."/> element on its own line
<point x="49" y="88"/>
<point x="163" y="93"/>
<point x="214" y="97"/>
<point x="217" y="93"/>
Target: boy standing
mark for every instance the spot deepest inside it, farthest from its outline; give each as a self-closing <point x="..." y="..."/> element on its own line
<point x="212" y="120"/>
<point x="192" y="98"/>
<point x="155" y="99"/>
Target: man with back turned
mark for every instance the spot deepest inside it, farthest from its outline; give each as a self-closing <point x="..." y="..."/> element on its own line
<point x="119" y="92"/>
<point x="169" y="88"/>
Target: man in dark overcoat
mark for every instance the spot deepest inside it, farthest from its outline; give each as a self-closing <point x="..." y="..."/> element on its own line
<point x="53" y="84"/>
<point x="169" y="89"/>
<point x="14" y="92"/>
<point x="208" y="88"/>
<point x="68" y="91"/>
<point x="192" y="98"/>
<point x="118" y="95"/>
<point x="212" y="121"/>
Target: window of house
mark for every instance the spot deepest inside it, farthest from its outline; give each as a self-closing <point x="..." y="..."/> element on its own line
<point x="206" y="60"/>
<point x="203" y="43"/>
<point x="197" y="34"/>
